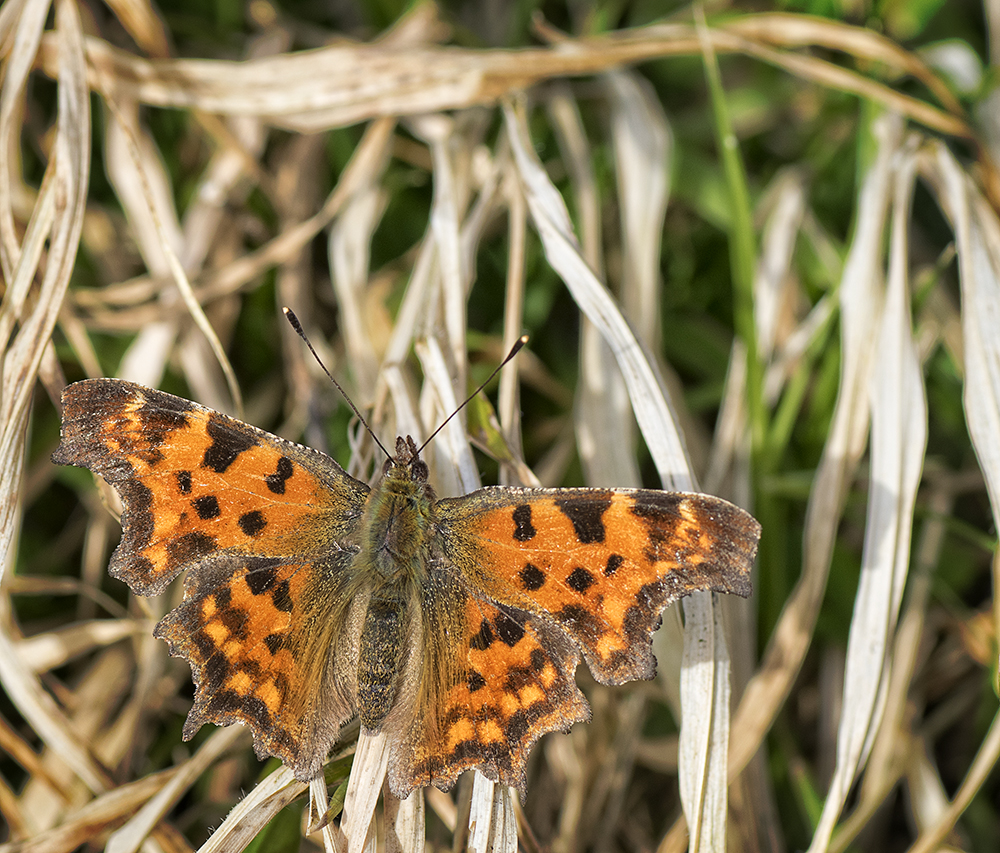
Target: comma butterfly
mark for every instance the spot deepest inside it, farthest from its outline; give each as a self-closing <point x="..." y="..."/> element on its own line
<point x="454" y="625"/>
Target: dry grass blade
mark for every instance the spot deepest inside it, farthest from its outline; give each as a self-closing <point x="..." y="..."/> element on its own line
<point x="863" y="43"/>
<point x="985" y="763"/>
<point x="439" y="134"/>
<point x="53" y="649"/>
<point x="775" y="263"/>
<point x="643" y="149"/>
<point x="363" y="790"/>
<point x="133" y="834"/>
<point x="492" y="828"/>
<point x="327" y="87"/>
<point x="253" y="812"/>
<point x="549" y="215"/>
<point x="603" y="421"/>
<point x="899" y="438"/>
<point x="705" y="724"/>
<point x="66" y="180"/>
<point x="163" y="239"/>
<point x="508" y="396"/>
<point x="62" y="204"/>
<point x="859" y="308"/>
<point x="404" y="823"/>
<point x="21" y="34"/>
<point x="349" y="250"/>
<point x="93" y="820"/>
<point x="976" y="229"/>
<point x="455" y="462"/>
<point x="46" y="718"/>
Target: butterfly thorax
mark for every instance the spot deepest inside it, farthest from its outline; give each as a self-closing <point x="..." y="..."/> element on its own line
<point x="396" y="532"/>
<point x="398" y="518"/>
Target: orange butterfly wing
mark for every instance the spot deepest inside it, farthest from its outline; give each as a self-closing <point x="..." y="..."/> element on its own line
<point x="265" y="528"/>
<point x="492" y="680"/>
<point x="530" y="578"/>
<point x="602" y="563"/>
<point x="194" y="482"/>
<point x="260" y="636"/>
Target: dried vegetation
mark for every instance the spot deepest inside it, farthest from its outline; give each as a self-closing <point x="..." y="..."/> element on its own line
<point x="747" y="277"/>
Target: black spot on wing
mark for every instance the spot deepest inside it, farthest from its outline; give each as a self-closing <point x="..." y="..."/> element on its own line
<point x="515" y="727"/>
<point x="161" y="414"/>
<point x="580" y="580"/>
<point x="189" y="547"/>
<point x="235" y="619"/>
<point x="227" y="444"/>
<point x="274" y="642"/>
<point x="659" y="512"/>
<point x="261" y="580"/>
<point x="276" y="481"/>
<point x="518" y="677"/>
<point x="524" y="530"/>
<point x="207" y="507"/>
<point x="281" y="684"/>
<point x="532" y="578"/>
<point x="183" y="482"/>
<point x="644" y="617"/>
<point x="586" y="515"/>
<point x="229" y="702"/>
<point x="508" y="630"/>
<point x="214" y="672"/>
<point x="204" y="646"/>
<point x="580" y="621"/>
<point x="253" y="522"/>
<point x="614" y="564"/>
<point x="281" y="599"/>
<point x="475" y="681"/>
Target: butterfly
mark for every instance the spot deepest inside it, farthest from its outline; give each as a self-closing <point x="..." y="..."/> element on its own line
<point x="454" y="626"/>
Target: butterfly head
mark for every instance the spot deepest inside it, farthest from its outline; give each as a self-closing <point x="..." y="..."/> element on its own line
<point x="406" y="465"/>
<point x="400" y="514"/>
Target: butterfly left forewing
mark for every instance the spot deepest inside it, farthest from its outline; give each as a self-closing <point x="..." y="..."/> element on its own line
<point x="194" y="482"/>
<point x="602" y="563"/>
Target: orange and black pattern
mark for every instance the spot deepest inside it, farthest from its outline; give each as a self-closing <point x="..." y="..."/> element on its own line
<point x="471" y="613"/>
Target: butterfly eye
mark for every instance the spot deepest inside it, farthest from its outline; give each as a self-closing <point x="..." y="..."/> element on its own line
<point x="419" y="471"/>
<point x="386" y="466"/>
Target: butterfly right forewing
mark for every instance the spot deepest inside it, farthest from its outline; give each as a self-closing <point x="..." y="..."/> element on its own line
<point x="601" y="563"/>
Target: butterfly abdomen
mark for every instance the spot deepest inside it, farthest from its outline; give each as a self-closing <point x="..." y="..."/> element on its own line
<point x="379" y="656"/>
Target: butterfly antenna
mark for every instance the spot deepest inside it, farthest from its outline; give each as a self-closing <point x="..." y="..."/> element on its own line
<point x="294" y="321"/>
<point x="514" y="350"/>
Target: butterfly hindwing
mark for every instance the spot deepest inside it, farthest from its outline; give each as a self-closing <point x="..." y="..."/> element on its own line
<point x="602" y="563"/>
<point x="493" y="680"/>
<point x="260" y="635"/>
<point x="194" y="482"/>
